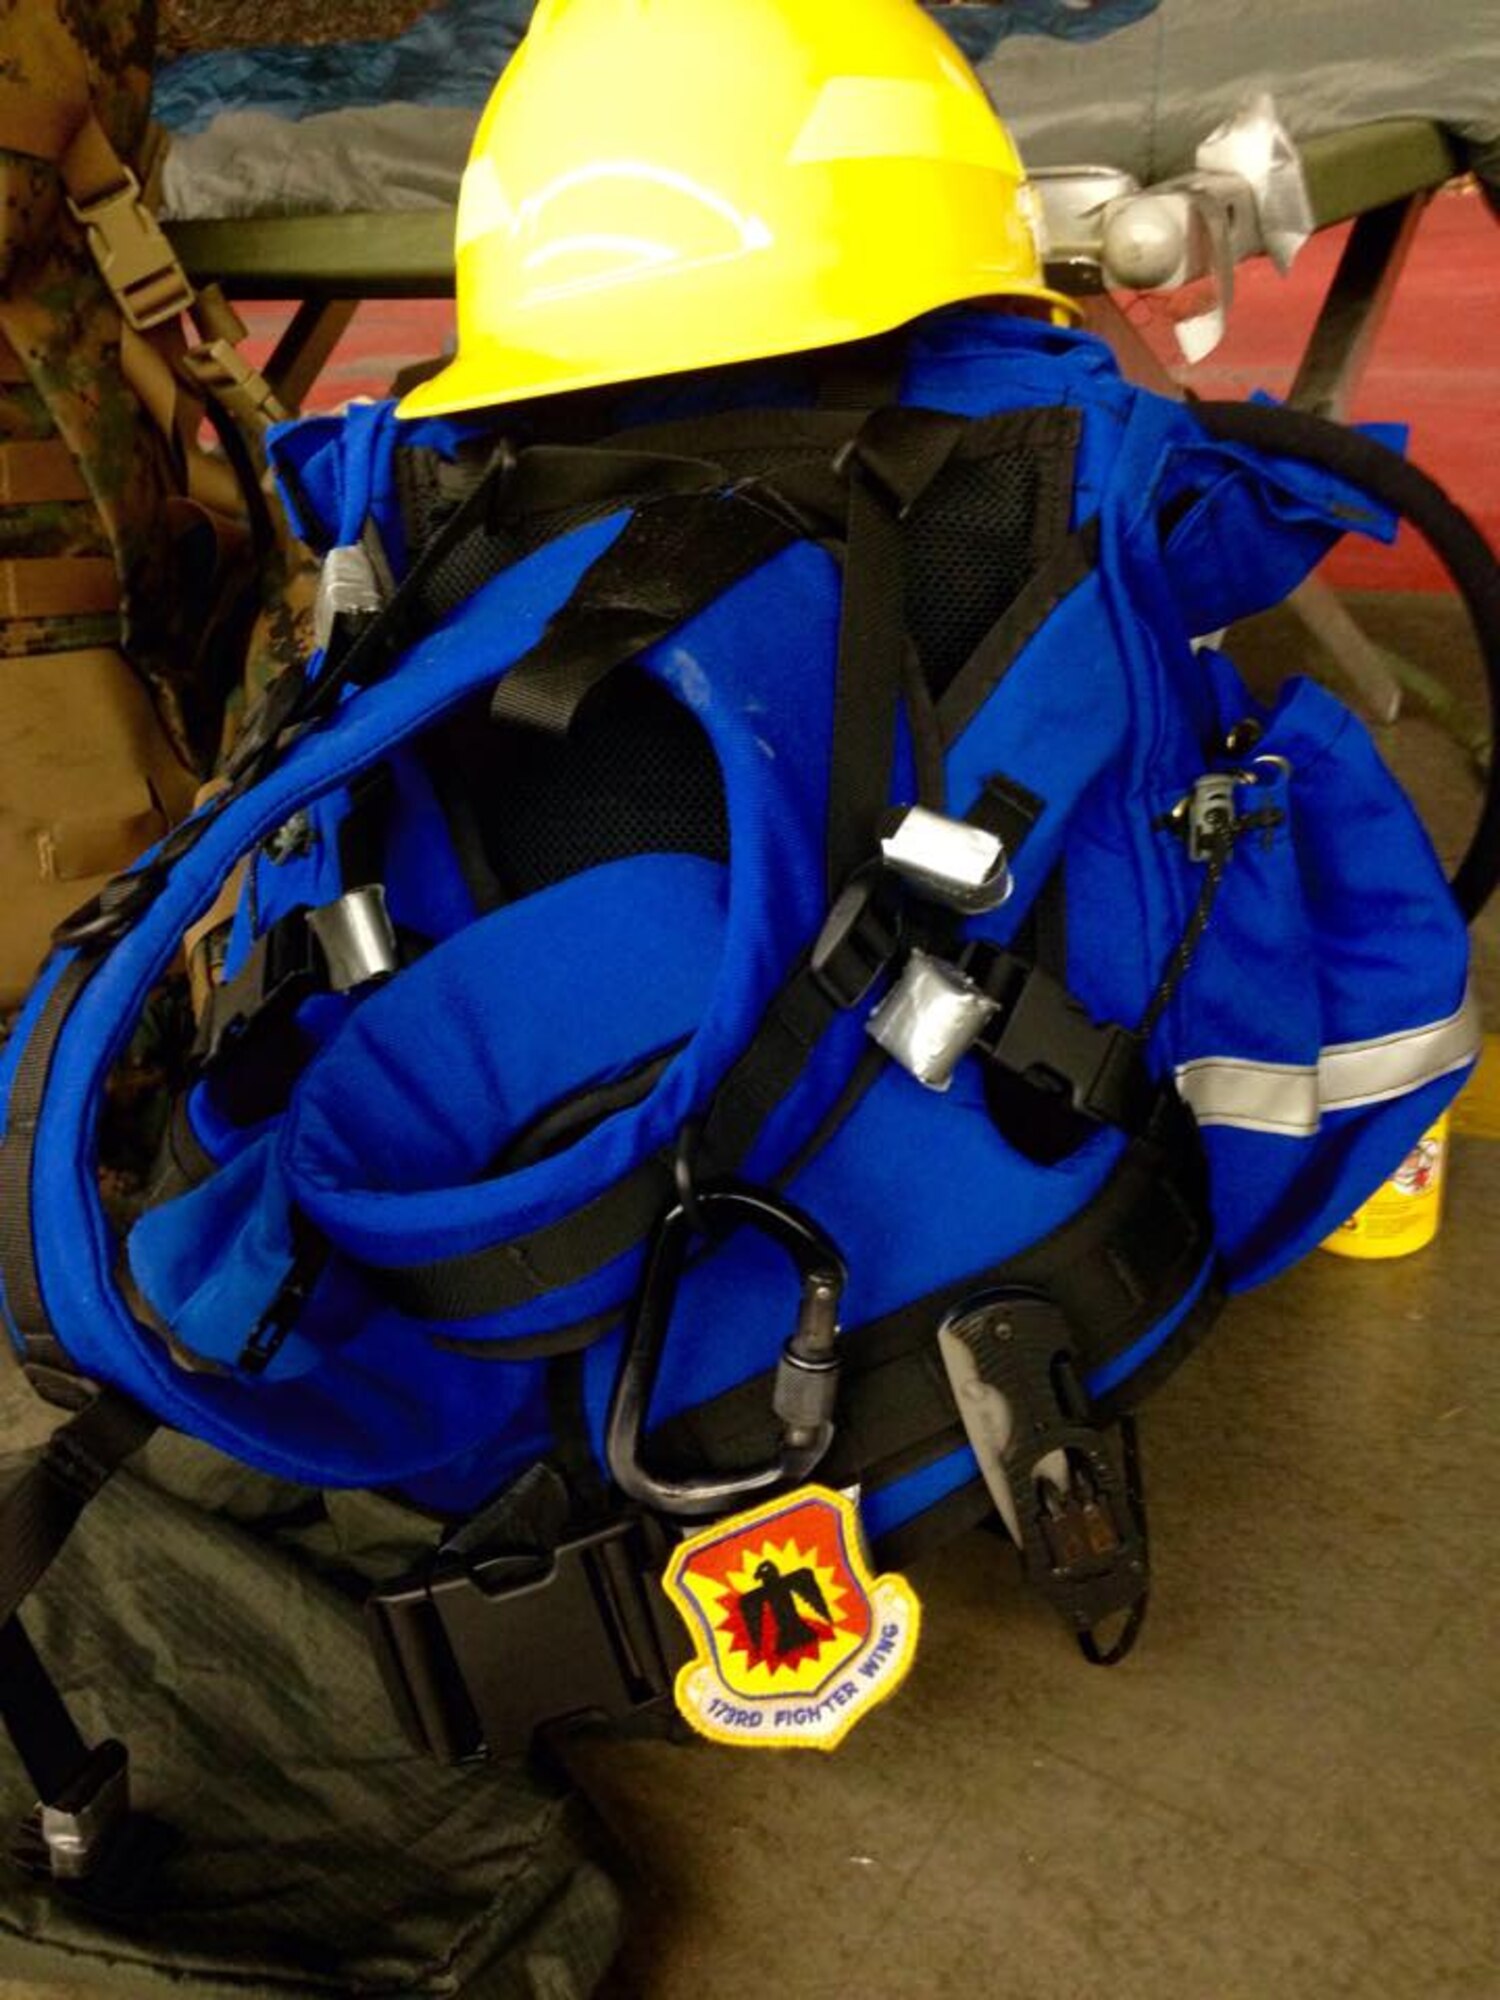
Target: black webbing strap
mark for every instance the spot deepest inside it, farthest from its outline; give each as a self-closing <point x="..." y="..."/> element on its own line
<point x="673" y="557"/>
<point x="41" y="1508"/>
<point x="1008" y="809"/>
<point x="37" y="1514"/>
<point x="731" y="437"/>
<point x="757" y="1083"/>
<point x="792" y="461"/>
<point x="39" y="1511"/>
<point x="532" y="1266"/>
<point x="867" y="688"/>
<point x="545" y="479"/>
<point x="1116" y="1269"/>
<point x="182" y="1161"/>
<point x="894" y="458"/>
<point x="18" y="1271"/>
<point x="36" y="1717"/>
<point x="863" y="374"/>
<point x="1070" y="565"/>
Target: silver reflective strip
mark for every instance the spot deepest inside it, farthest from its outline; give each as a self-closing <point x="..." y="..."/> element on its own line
<point x="1293" y="1098"/>
<point x="1257" y="1097"/>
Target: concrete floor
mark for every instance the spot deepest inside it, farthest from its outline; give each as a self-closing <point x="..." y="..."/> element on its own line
<point x="1290" y="1792"/>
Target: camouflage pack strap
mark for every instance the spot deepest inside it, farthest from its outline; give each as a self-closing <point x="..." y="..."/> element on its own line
<point x="38" y="469"/>
<point x="57" y="586"/>
<point x="37" y="125"/>
<point x="176" y="412"/>
<point x="145" y="278"/>
<point x="134" y="257"/>
<point x="150" y="286"/>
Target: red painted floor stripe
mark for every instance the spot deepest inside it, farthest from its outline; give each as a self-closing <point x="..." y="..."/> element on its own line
<point x="1436" y="365"/>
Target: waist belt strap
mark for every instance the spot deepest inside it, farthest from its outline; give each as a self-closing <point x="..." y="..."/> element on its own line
<point x="482" y="1649"/>
<point x="41" y="1509"/>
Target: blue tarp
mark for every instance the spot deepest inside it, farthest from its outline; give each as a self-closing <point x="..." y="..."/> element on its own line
<point x="453" y="55"/>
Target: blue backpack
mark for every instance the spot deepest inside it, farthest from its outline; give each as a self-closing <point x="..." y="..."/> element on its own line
<point x="767" y="940"/>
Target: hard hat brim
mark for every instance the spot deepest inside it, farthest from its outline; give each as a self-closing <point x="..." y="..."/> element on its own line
<point x="493" y="377"/>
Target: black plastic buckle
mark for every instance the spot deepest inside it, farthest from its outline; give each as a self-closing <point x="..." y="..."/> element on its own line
<point x="860" y="939"/>
<point x="1040" y="1033"/>
<point x="125" y="899"/>
<point x="478" y="1656"/>
<point x="1010" y="1363"/>
<point x="105" y="918"/>
<point x="284" y="967"/>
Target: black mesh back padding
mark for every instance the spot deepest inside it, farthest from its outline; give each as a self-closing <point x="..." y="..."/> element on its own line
<point x="478" y="559"/>
<point x="430" y="491"/>
<point x="971" y="547"/>
<point x="638" y="775"/>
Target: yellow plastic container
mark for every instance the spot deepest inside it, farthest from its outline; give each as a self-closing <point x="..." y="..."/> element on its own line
<point x="1403" y="1215"/>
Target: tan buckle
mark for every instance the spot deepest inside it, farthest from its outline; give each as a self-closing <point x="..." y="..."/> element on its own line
<point x="134" y="257"/>
<point x="218" y="369"/>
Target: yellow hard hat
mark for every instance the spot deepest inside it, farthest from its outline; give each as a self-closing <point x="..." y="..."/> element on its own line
<point x="661" y="185"/>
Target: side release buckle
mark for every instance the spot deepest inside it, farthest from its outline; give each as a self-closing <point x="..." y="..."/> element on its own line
<point x="282" y="970"/>
<point x="1038" y="1032"/>
<point x="1075" y="1516"/>
<point x="336" y="948"/>
<point x="478" y="1655"/>
<point x="134" y="257"/>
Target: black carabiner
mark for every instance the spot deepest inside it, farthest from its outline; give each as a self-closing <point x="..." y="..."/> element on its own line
<point x="807" y="1374"/>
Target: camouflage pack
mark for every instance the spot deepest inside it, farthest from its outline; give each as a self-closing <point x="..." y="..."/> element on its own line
<point x="127" y="571"/>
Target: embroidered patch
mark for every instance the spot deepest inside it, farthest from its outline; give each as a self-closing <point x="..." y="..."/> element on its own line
<point x="795" y="1641"/>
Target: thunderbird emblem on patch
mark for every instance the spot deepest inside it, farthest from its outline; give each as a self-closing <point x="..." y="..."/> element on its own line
<point x="795" y="1639"/>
